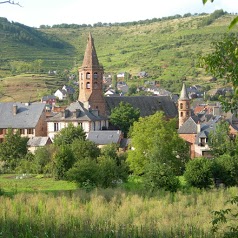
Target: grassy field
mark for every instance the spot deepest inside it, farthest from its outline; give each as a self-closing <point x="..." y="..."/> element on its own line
<point x="49" y="210"/>
<point x="29" y="87"/>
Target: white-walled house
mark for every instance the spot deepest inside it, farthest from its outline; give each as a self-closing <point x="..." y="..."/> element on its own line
<point x="76" y="114"/>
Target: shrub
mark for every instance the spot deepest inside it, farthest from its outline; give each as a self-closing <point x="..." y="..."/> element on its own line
<point x="226" y="169"/>
<point x="159" y="176"/>
<point x="198" y="173"/>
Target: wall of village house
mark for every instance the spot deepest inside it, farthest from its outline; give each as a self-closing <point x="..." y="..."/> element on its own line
<point x="51" y="132"/>
<point x="41" y="127"/>
<point x="190" y="138"/>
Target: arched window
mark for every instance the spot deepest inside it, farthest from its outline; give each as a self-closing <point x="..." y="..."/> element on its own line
<point x="95" y="85"/>
<point x="87" y="75"/>
<point x="187" y="105"/>
<point x="81" y="85"/>
<point x="181" y="114"/>
<point x="81" y="76"/>
<point x="95" y="75"/>
<point x="88" y="85"/>
<point x="181" y="105"/>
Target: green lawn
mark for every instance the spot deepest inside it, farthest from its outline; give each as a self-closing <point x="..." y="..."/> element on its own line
<point x="14" y="183"/>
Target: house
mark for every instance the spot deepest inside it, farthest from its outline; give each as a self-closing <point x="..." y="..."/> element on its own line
<point x="36" y="142"/>
<point x="49" y="99"/>
<point x="27" y="118"/>
<point x="195" y="129"/>
<point x="143" y="74"/>
<point x="61" y="94"/>
<point x="102" y="138"/>
<point x="69" y="90"/>
<point x="78" y="115"/>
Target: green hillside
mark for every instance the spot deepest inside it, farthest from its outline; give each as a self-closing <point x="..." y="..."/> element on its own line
<point x="167" y="49"/>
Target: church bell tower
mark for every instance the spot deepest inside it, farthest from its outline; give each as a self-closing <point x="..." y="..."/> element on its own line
<point x="183" y="106"/>
<point x="91" y="79"/>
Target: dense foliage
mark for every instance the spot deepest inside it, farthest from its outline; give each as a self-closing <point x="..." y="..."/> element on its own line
<point x="124" y="116"/>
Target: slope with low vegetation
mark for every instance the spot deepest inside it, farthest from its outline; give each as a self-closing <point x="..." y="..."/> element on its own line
<point x="167" y="49"/>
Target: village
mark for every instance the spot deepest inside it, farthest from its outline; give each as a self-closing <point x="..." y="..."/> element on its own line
<point x="40" y="122"/>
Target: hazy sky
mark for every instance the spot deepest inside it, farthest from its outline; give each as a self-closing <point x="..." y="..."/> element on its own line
<point x="49" y="12"/>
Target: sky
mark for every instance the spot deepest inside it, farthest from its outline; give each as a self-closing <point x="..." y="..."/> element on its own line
<point x="50" y="12"/>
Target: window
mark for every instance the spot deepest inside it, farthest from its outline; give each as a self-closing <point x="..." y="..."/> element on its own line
<point x="95" y="85"/>
<point x="81" y="85"/>
<point x="22" y="131"/>
<point x="203" y="142"/>
<point x="81" y="76"/>
<point x="1" y="131"/>
<point x="187" y="114"/>
<point x="187" y="105"/>
<point x="56" y="126"/>
<point x="30" y="131"/>
<point x="87" y="75"/>
<point x="88" y="85"/>
<point x="181" y="106"/>
<point x="181" y="114"/>
<point x="95" y="75"/>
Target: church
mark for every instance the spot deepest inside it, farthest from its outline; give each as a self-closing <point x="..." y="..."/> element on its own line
<point x="92" y="110"/>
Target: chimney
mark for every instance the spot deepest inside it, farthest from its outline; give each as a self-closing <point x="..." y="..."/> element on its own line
<point x="14" y="109"/>
<point x="198" y="127"/>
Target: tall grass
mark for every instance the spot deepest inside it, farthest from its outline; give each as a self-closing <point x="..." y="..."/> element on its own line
<point x="111" y="213"/>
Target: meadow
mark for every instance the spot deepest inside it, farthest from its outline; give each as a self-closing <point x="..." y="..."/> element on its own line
<point x="116" y="212"/>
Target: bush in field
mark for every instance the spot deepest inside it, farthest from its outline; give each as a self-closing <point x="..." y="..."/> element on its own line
<point x="43" y="159"/>
<point x="85" y="171"/>
<point x="160" y="176"/>
<point x="64" y="160"/>
<point x="226" y="169"/>
<point x="198" y="172"/>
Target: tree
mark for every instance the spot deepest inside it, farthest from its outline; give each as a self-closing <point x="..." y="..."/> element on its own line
<point x="234" y="21"/>
<point x="159" y="175"/>
<point x="219" y="140"/>
<point x="222" y="63"/>
<point x="84" y="149"/>
<point x="68" y="134"/>
<point x="12" y="149"/>
<point x="124" y="116"/>
<point x="11" y="2"/>
<point x="156" y="140"/>
<point x="198" y="173"/>
<point x="85" y="172"/>
<point x="226" y="169"/>
<point x="64" y="160"/>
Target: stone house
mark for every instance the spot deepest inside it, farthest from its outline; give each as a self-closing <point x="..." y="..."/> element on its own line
<point x="29" y="119"/>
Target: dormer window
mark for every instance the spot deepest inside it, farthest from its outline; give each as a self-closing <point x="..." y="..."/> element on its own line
<point x="95" y="75"/>
<point x="87" y="75"/>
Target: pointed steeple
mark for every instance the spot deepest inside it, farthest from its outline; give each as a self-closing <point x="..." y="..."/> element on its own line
<point x="183" y="106"/>
<point x="90" y="56"/>
<point x="184" y="93"/>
